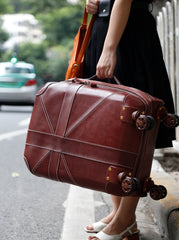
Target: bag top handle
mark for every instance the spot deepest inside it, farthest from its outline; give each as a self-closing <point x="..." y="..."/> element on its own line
<point x="114" y="77"/>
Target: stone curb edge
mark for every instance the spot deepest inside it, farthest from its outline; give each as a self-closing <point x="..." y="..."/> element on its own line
<point x="165" y="211"/>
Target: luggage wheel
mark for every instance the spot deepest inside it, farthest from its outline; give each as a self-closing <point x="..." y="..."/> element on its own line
<point x="128" y="184"/>
<point x="156" y="192"/>
<point x="143" y="122"/>
<point x="169" y="120"/>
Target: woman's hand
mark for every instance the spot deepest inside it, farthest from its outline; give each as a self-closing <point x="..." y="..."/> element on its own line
<point x="106" y="64"/>
<point x="92" y="6"/>
<point x="118" y="20"/>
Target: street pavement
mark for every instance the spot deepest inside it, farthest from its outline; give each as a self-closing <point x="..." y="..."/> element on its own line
<point x="31" y="208"/>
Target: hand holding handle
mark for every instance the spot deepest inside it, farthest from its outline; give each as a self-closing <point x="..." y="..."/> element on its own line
<point x="96" y="78"/>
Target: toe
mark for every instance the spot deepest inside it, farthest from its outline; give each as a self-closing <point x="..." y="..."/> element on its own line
<point x="89" y="227"/>
<point x="92" y="238"/>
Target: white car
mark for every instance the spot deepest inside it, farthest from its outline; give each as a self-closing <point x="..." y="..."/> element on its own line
<point x="18" y="83"/>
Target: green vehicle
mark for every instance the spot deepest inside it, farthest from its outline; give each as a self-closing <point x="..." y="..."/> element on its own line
<point x="18" y="83"/>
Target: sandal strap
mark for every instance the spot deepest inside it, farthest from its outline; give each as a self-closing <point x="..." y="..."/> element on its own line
<point x="132" y="233"/>
<point x="103" y="236"/>
<point x="128" y="229"/>
<point x="97" y="226"/>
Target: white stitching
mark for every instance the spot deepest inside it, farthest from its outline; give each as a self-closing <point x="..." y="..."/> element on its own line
<point x="85" y="115"/>
<point x="76" y="140"/>
<point x="39" y="162"/>
<point x="67" y="170"/>
<point x="46" y="114"/>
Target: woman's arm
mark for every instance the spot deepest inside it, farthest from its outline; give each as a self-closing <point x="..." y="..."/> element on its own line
<point x="118" y="20"/>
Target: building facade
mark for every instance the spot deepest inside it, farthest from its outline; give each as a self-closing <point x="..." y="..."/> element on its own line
<point x="21" y="28"/>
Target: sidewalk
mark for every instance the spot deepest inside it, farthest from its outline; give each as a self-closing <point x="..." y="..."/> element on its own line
<point x="166" y="211"/>
<point x="157" y="220"/>
<point x="149" y="230"/>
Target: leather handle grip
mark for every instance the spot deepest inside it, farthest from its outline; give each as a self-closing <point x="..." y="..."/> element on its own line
<point x="91" y="82"/>
<point x="96" y="78"/>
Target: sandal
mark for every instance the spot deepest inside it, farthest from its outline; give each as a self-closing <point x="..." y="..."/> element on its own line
<point x="131" y="236"/>
<point x="97" y="226"/>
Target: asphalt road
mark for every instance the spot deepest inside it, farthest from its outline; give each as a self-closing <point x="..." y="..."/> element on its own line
<point x="31" y="208"/>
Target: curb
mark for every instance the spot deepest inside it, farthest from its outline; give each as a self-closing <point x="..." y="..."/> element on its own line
<point x="166" y="211"/>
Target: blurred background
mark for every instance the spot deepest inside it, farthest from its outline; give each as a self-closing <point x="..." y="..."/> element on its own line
<point x="36" y="39"/>
<point x="40" y="32"/>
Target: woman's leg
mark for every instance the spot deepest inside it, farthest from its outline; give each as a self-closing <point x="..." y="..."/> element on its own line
<point x="123" y="218"/>
<point x="116" y="202"/>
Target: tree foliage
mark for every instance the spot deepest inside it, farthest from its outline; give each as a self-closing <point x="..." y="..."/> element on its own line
<point x="57" y="63"/>
<point x="35" y="7"/>
<point x="5" y="7"/>
<point x="3" y="34"/>
<point x="31" y="53"/>
<point x="60" y="21"/>
<point x="61" y="24"/>
<point x="3" y="37"/>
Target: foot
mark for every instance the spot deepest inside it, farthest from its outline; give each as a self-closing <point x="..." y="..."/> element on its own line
<point x="113" y="231"/>
<point x="95" y="227"/>
<point x="98" y="226"/>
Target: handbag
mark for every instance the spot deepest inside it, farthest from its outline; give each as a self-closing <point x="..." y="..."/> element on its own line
<point x="75" y="67"/>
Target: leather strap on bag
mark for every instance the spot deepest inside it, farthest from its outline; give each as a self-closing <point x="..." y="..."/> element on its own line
<point x="86" y="37"/>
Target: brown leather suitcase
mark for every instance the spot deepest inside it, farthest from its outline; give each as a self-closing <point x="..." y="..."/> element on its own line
<point x="96" y="135"/>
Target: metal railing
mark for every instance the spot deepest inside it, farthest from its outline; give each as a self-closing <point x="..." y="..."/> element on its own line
<point x="168" y="30"/>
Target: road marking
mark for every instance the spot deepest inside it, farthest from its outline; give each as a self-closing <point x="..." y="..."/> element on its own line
<point x="16" y="133"/>
<point x="15" y="174"/>
<point x="79" y="213"/>
<point x="24" y="122"/>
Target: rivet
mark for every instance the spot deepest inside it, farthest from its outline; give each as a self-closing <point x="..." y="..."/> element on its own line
<point x="121" y="117"/>
<point x="123" y="108"/>
<point x="76" y="65"/>
<point x="110" y="169"/>
<point x="107" y="178"/>
<point x="143" y="112"/>
<point x="130" y="174"/>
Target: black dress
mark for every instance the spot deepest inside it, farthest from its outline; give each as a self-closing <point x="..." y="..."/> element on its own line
<point x="139" y="61"/>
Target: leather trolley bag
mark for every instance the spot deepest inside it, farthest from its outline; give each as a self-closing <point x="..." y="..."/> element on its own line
<point x="96" y="135"/>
